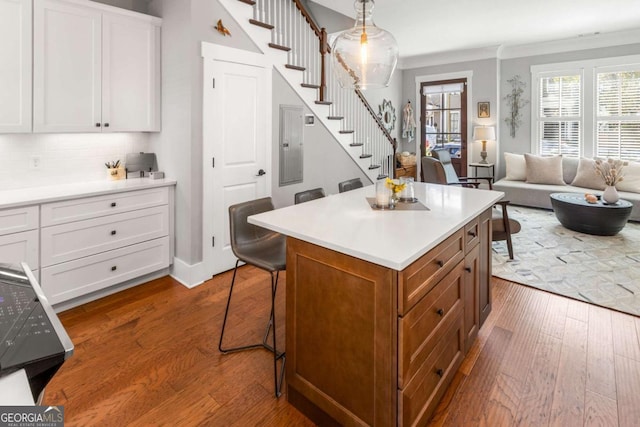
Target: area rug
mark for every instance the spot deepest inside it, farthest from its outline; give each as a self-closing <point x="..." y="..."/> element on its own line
<point x="602" y="270"/>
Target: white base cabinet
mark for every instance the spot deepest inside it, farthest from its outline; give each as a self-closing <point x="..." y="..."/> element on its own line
<point x="19" y="236"/>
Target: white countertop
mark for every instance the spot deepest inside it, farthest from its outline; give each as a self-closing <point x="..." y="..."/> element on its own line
<point x="52" y="193"/>
<point x="347" y="224"/>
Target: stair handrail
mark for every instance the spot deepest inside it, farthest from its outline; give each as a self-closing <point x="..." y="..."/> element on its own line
<point x="326" y="49"/>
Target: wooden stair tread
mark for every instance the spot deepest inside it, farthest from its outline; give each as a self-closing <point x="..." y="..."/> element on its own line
<point x="345" y="131"/>
<point x="294" y="67"/>
<point x="374" y="166"/>
<point x="335" y="118"/>
<point x="310" y="86"/>
<point x="365" y="156"/>
<point x="324" y="102"/>
<point x="356" y="144"/>
<point x="261" y="24"/>
<point x="279" y="47"/>
<point x="249" y="2"/>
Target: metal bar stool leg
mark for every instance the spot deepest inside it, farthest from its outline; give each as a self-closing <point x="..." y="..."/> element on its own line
<point x="276" y="355"/>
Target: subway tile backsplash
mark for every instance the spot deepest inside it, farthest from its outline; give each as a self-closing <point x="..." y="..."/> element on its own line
<point x="63" y="158"/>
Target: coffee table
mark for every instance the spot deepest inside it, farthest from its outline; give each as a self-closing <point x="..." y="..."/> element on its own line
<point x="600" y="218"/>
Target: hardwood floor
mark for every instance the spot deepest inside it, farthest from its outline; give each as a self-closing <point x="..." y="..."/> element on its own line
<point x="148" y="356"/>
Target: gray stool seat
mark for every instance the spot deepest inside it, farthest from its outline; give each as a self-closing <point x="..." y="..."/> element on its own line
<point x="308" y="195"/>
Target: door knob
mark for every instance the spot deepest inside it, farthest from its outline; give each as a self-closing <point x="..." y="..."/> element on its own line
<point x="261" y="172"/>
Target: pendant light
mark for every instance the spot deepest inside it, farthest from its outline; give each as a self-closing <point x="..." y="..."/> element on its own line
<point x="365" y="56"/>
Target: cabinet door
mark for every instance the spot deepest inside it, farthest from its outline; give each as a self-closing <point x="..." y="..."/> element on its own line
<point x="484" y="265"/>
<point x="15" y="66"/>
<point x="66" y="67"/>
<point x="131" y="74"/>
<point x="471" y="296"/>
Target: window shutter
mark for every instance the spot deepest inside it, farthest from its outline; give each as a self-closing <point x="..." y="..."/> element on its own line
<point x="618" y="114"/>
<point x="560" y="114"/>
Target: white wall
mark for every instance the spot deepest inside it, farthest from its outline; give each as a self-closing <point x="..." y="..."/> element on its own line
<point x="391" y="93"/>
<point x="324" y="161"/>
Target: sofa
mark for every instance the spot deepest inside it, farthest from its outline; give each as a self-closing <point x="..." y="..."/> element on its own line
<point x="521" y="190"/>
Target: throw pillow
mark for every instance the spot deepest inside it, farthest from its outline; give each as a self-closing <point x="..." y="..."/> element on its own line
<point x="586" y="176"/>
<point x="630" y="178"/>
<point x="516" y="167"/>
<point x="544" y="170"/>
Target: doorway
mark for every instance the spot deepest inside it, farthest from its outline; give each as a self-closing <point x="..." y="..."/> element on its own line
<point x="443" y="120"/>
<point x="236" y="143"/>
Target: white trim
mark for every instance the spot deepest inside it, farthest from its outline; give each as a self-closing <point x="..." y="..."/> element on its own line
<point x="618" y="38"/>
<point x="218" y="52"/>
<point x="613" y="62"/>
<point x="189" y="275"/>
<point x="465" y="74"/>
<point x="452" y="57"/>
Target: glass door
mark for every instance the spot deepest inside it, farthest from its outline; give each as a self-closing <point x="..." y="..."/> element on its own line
<point x="444" y="120"/>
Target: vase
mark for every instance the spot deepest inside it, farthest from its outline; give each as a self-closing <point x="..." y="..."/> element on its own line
<point x="610" y="194"/>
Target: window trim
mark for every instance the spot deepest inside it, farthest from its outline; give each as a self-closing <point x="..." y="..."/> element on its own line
<point x="589" y="69"/>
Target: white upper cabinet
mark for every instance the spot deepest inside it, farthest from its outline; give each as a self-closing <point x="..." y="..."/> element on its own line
<point x="15" y="66"/>
<point x="95" y="70"/>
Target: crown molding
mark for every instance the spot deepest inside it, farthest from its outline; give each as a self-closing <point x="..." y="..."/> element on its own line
<point x="451" y="57"/>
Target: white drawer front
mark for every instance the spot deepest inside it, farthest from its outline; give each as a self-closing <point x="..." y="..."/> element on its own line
<point x="72" y="279"/>
<point x="19" y="219"/>
<point x="19" y="247"/>
<point x="93" y="207"/>
<point x="67" y="242"/>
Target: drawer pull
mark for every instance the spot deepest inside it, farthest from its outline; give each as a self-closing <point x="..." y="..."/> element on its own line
<point x="97" y="125"/>
<point x="472" y="233"/>
<point x="467" y="269"/>
<point x="440" y="312"/>
<point x="440" y="263"/>
<point x="439" y="372"/>
<point x="113" y="232"/>
<point x="114" y="268"/>
<point x="113" y="204"/>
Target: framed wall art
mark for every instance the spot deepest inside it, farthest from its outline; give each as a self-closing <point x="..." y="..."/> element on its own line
<point x="483" y="110"/>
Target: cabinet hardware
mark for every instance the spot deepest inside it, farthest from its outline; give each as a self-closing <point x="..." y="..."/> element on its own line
<point x="113" y="232"/>
<point x="106" y="125"/>
<point x="440" y="263"/>
<point x="467" y="269"/>
<point x="97" y="125"/>
<point x="439" y="372"/>
<point x="440" y="312"/>
<point x="472" y="233"/>
<point x="114" y="268"/>
<point x="113" y="204"/>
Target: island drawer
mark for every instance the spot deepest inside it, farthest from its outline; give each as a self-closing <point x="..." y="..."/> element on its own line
<point x="67" y="242"/>
<point x="76" y="278"/>
<point x="427" y="322"/>
<point x="419" y="278"/>
<point x="18" y="219"/>
<point x="18" y="247"/>
<point x="94" y="207"/>
<point x="418" y="400"/>
<point x="471" y="234"/>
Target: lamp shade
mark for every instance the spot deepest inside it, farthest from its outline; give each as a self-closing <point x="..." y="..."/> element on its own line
<point x="484" y="133"/>
<point x="365" y="56"/>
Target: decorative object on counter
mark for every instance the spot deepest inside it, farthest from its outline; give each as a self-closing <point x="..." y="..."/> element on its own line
<point x="407" y="194"/>
<point x="516" y="102"/>
<point x="383" y="196"/>
<point x="222" y="29"/>
<point x="408" y="122"/>
<point x="396" y="186"/>
<point x="591" y="198"/>
<point x="484" y="134"/>
<point x="387" y="115"/>
<point x="483" y="110"/>
<point x="115" y="171"/>
<point x="156" y="175"/>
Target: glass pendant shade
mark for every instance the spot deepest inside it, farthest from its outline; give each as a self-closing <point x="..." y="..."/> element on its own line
<point x="365" y="56"/>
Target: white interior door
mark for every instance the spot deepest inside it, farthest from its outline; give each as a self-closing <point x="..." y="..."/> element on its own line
<point x="237" y="143"/>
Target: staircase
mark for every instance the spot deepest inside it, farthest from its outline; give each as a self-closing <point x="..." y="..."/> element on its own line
<point x="298" y="49"/>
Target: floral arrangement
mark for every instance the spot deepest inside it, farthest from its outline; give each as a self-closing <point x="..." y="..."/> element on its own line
<point x="395" y="185"/>
<point x="610" y="170"/>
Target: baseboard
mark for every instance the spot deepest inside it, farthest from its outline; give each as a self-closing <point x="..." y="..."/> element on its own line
<point x="189" y="275"/>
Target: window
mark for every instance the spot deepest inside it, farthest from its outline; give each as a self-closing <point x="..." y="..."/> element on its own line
<point x="618" y="114"/>
<point x="587" y="108"/>
<point x="560" y="115"/>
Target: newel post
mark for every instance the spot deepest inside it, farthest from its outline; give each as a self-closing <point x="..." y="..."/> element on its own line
<point x="323" y="55"/>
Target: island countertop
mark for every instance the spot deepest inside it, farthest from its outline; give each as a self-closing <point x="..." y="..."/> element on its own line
<point x="392" y="238"/>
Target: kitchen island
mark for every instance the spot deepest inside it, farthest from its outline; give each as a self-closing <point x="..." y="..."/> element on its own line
<point x="382" y="306"/>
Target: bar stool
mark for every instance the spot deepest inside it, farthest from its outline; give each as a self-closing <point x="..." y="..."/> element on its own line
<point x="349" y="185"/>
<point x="308" y="195"/>
<point x="266" y="250"/>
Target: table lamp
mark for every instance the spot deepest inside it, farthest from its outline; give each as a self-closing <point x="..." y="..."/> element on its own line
<point x="484" y="134"/>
